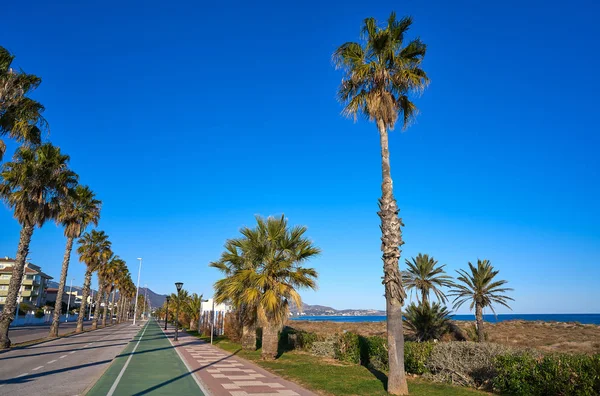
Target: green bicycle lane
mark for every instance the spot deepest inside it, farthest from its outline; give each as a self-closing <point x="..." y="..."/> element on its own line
<point x="149" y="365"/>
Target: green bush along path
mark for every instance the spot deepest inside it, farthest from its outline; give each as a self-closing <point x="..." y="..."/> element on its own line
<point x="148" y="365"/>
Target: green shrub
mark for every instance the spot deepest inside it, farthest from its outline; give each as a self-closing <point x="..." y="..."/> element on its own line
<point x="347" y="348"/>
<point x="416" y="355"/>
<point x="323" y="348"/>
<point x="375" y="355"/>
<point x="525" y="374"/>
<point x="39" y="313"/>
<point x="306" y="340"/>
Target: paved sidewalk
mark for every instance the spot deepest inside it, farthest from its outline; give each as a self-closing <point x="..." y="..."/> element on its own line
<point x="224" y="374"/>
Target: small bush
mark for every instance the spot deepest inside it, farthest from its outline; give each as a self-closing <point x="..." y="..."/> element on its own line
<point x="39" y="313"/>
<point x="347" y="348"/>
<point x="323" y="348"/>
<point x="416" y="355"/>
<point x="526" y="374"/>
<point x="306" y="340"/>
<point x="376" y="353"/>
<point x="465" y="363"/>
<point x="232" y="326"/>
<point x="472" y="333"/>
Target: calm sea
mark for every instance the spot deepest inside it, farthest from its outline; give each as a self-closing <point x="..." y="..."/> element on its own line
<point x="581" y="318"/>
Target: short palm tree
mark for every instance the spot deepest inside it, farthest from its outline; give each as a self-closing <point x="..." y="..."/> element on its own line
<point x="193" y="305"/>
<point x="79" y="209"/>
<point x="482" y="289"/>
<point x="32" y="185"/>
<point x="277" y="252"/>
<point x="94" y="248"/>
<point x="380" y="73"/>
<point x="231" y="261"/>
<point x="427" y="321"/>
<point x="179" y="306"/>
<point x="20" y="116"/>
<point x="425" y="276"/>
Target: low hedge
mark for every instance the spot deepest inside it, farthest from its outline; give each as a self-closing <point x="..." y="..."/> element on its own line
<point x="373" y="352"/>
<point x="480" y="365"/>
<point x="558" y="374"/>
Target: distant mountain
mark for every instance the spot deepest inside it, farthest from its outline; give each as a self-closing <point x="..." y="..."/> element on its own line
<point x="321" y="310"/>
<point x="156" y="300"/>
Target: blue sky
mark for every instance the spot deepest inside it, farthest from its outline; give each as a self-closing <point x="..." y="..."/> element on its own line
<point x="188" y="119"/>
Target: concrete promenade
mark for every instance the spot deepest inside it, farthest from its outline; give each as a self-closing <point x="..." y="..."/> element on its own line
<point x="63" y="366"/>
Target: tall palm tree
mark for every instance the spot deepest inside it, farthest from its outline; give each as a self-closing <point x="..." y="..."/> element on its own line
<point x="424" y="275"/>
<point x="79" y="209"/>
<point x="20" y="117"/>
<point x="482" y="290"/>
<point x="380" y="74"/>
<point x="32" y="185"/>
<point x="102" y="271"/>
<point x="111" y="273"/>
<point x="94" y="249"/>
<point x="277" y="252"/>
<point x="120" y="285"/>
<point x="231" y="261"/>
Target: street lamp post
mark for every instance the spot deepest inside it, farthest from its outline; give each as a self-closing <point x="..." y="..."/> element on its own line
<point x="167" y="313"/>
<point x="137" y="290"/>
<point x="69" y="303"/>
<point x="212" y="322"/>
<point x="178" y="285"/>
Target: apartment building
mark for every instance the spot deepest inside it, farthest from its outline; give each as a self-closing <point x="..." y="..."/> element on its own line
<point x="33" y="284"/>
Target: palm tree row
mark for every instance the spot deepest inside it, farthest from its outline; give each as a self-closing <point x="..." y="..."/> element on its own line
<point x="39" y="186"/>
<point x="189" y="309"/>
<point x="263" y="270"/>
<point x="479" y="287"/>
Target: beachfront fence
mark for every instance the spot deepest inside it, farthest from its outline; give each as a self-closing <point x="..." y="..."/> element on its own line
<point x="217" y="318"/>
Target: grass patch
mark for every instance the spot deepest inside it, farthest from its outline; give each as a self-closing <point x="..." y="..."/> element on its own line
<point x="332" y="377"/>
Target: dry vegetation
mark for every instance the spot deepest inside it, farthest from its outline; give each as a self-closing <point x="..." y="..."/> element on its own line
<point x="544" y="336"/>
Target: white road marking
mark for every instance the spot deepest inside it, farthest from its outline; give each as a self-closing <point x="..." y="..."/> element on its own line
<point x="22" y="375"/>
<point x="51" y="361"/>
<point x="114" y="386"/>
<point x="37" y="368"/>
<point x="72" y="352"/>
<point x="63" y="356"/>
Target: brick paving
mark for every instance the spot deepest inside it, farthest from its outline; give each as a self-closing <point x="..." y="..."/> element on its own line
<point x="224" y="374"/>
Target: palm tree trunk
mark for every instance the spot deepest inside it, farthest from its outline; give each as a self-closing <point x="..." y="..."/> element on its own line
<point x="270" y="341"/>
<point x="424" y="297"/>
<point x="8" y="313"/>
<point x="105" y="316"/>
<point x="85" y="293"/>
<point x="97" y="310"/>
<point x="112" y="307"/>
<point x="123" y="310"/>
<point x="391" y="240"/>
<point x="248" y="337"/>
<point x="479" y="318"/>
<point x="61" y="289"/>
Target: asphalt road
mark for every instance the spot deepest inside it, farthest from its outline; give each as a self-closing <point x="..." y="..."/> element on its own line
<point x="21" y="334"/>
<point x="65" y="366"/>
